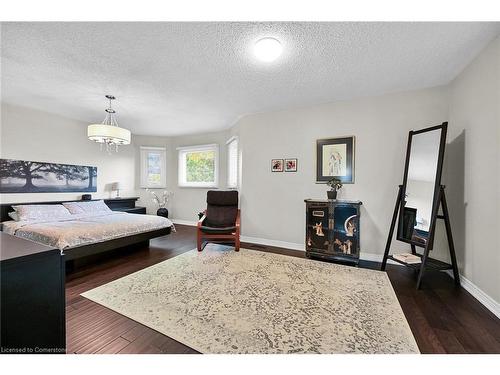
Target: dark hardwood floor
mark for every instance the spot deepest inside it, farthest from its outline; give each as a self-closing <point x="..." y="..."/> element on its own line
<point x="443" y="319"/>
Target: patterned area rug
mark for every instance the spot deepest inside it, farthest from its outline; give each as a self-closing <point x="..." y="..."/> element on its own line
<point x="221" y="301"/>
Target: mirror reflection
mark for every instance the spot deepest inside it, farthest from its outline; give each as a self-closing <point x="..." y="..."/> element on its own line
<point x="420" y="186"/>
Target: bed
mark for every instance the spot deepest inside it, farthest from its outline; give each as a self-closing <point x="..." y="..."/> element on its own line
<point x="82" y="232"/>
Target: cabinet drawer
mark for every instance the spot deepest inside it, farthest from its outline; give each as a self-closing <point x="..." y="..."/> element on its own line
<point x="318" y="215"/>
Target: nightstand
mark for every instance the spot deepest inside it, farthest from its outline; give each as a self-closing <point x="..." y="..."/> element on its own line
<point x="125" y="205"/>
<point x="132" y="210"/>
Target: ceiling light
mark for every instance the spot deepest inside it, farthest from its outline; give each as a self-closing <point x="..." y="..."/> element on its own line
<point x="108" y="132"/>
<point x="268" y="49"/>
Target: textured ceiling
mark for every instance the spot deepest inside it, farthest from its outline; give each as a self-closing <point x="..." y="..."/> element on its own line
<point x="179" y="78"/>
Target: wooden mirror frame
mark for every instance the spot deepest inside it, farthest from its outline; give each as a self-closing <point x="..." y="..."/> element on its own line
<point x="437" y="185"/>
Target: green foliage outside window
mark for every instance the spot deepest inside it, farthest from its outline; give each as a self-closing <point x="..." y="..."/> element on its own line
<point x="200" y="166"/>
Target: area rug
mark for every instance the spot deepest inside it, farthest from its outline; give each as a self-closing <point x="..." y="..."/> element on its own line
<point x="222" y="301"/>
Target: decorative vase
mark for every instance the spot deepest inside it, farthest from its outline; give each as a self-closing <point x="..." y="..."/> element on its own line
<point x="162" y="212"/>
<point x="332" y="194"/>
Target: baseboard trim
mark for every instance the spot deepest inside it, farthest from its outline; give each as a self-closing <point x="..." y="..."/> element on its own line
<point x="275" y="243"/>
<point x="468" y="285"/>
<point x="289" y="245"/>
<point x="184" y="222"/>
<point x="478" y="294"/>
<point x="301" y="247"/>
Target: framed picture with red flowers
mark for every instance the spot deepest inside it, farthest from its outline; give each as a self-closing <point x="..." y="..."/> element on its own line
<point x="290" y="165"/>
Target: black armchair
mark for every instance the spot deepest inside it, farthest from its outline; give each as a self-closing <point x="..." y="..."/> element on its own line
<point x="220" y="222"/>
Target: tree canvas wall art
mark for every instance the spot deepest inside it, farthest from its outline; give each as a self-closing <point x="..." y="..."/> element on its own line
<point x="21" y="176"/>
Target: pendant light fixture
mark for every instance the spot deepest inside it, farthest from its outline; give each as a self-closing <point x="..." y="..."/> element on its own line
<point x="108" y="132"/>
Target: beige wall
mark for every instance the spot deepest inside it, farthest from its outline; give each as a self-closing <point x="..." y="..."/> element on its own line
<point x="473" y="169"/>
<point x="273" y="203"/>
<point x="29" y="134"/>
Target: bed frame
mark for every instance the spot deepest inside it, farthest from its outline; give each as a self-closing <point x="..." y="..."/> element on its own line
<point x="91" y="249"/>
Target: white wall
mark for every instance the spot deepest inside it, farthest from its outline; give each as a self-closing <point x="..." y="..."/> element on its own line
<point x="29" y="134"/>
<point x="273" y="203"/>
<point x="473" y="169"/>
<point x="185" y="202"/>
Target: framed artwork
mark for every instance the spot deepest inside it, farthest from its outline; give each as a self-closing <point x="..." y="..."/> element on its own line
<point x="290" y="165"/>
<point x="21" y="176"/>
<point x="276" y="165"/>
<point x="335" y="158"/>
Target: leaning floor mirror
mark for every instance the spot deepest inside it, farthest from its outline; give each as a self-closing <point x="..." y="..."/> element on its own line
<point x="421" y="184"/>
<point x="418" y="202"/>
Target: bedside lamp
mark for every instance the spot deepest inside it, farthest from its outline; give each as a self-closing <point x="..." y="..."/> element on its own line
<point x="116" y="187"/>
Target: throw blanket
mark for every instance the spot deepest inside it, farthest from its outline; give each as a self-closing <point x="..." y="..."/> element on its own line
<point x="84" y="229"/>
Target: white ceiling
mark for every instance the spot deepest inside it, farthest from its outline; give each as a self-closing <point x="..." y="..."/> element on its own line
<point x="180" y="78"/>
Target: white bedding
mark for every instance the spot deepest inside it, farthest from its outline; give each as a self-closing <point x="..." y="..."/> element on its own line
<point x="85" y="229"/>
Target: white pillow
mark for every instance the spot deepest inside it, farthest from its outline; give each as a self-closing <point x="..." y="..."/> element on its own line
<point x="86" y="207"/>
<point x="32" y="212"/>
<point x="13" y="215"/>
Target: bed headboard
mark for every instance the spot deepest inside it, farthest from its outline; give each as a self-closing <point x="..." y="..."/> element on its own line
<point x="5" y="208"/>
<point x="113" y="203"/>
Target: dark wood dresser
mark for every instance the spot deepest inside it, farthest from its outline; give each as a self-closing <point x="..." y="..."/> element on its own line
<point x="332" y="229"/>
<point x="32" y="297"/>
<point x="125" y="205"/>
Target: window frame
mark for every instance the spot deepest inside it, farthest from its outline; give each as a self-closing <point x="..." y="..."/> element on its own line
<point x="228" y="145"/>
<point x="181" y="166"/>
<point x="145" y="150"/>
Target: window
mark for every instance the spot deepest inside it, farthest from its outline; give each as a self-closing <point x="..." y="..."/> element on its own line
<point x="198" y="166"/>
<point x="232" y="163"/>
<point x="153" y="167"/>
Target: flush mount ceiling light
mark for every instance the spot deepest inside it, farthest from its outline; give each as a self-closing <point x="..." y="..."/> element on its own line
<point x="268" y="49"/>
<point x="108" y="132"/>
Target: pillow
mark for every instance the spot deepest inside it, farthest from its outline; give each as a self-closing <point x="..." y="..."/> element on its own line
<point x="32" y="212"/>
<point x="86" y="207"/>
<point x="13" y="215"/>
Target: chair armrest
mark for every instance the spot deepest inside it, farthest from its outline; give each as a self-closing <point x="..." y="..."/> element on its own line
<point x="202" y="219"/>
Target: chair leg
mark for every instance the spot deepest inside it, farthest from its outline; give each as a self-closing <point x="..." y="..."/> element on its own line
<point x="237" y="243"/>
<point x="200" y="248"/>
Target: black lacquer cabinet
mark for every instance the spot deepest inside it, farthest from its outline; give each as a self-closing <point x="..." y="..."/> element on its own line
<point x="332" y="229"/>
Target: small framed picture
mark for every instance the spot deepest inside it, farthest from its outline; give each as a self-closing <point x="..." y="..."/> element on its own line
<point x="276" y="165"/>
<point x="335" y="158"/>
<point x="290" y="165"/>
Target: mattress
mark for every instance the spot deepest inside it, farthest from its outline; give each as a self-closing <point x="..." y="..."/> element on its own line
<point x="85" y="229"/>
